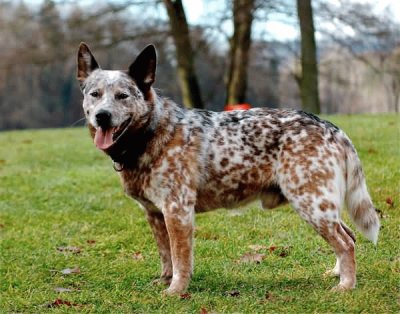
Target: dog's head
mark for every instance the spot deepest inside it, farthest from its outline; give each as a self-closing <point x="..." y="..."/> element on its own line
<point x="115" y="100"/>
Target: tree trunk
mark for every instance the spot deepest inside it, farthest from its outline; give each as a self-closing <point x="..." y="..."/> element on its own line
<point x="309" y="72"/>
<point x="239" y="51"/>
<point x="184" y="54"/>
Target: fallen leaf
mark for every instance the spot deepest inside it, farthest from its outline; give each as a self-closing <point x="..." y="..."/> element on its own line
<point x="252" y="258"/>
<point x="91" y="241"/>
<point x="59" y="302"/>
<point x="72" y="249"/>
<point x="268" y="296"/>
<point x="203" y="311"/>
<point x="70" y="271"/>
<point x="283" y="253"/>
<point x="272" y="248"/>
<point x="185" y="296"/>
<point x="137" y="256"/>
<point x="233" y="293"/>
<point x="390" y="201"/>
<point x="257" y="247"/>
<point x="60" y="289"/>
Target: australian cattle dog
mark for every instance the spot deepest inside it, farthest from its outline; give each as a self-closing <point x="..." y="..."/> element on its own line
<point x="175" y="162"/>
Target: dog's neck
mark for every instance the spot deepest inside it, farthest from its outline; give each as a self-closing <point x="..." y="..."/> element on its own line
<point x="133" y="149"/>
<point x="130" y="147"/>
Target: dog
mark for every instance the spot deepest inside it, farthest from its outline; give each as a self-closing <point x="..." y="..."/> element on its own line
<point x="175" y="162"/>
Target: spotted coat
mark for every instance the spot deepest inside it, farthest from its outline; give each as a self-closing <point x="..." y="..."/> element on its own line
<point x="197" y="160"/>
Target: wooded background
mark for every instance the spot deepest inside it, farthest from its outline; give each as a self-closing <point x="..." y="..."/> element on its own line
<point x="346" y="58"/>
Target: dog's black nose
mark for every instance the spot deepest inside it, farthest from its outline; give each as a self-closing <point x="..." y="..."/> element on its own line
<point x="103" y="118"/>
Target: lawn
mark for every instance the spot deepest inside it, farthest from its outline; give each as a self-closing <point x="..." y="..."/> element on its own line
<point x="69" y="235"/>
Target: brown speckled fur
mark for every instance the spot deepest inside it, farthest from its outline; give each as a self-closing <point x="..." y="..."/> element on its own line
<point x="197" y="161"/>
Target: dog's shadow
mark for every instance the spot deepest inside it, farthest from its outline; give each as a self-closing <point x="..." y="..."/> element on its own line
<point x="218" y="284"/>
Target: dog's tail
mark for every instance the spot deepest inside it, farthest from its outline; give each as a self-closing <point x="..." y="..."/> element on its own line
<point x="359" y="204"/>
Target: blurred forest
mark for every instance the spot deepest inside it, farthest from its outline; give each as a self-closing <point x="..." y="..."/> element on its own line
<point x="345" y="59"/>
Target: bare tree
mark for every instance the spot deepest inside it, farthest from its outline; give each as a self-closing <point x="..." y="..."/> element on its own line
<point x="308" y="79"/>
<point x="373" y="45"/>
<point x="184" y="54"/>
<point x="239" y="51"/>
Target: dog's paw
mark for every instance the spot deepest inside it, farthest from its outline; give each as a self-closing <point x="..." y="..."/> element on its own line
<point x="331" y="273"/>
<point x="341" y="288"/>
<point x="166" y="281"/>
<point x="172" y="292"/>
<point x="176" y="288"/>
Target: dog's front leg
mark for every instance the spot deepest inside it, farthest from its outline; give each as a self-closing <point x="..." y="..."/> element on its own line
<point x="180" y="225"/>
<point x="157" y="224"/>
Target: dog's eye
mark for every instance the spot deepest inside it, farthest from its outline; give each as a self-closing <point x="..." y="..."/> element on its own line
<point x="95" y="94"/>
<point x="121" y="96"/>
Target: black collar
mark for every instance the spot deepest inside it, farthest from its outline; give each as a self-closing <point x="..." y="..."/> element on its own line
<point x="130" y="146"/>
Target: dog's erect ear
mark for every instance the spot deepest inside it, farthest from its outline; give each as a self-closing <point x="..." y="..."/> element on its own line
<point x="143" y="69"/>
<point x="86" y="62"/>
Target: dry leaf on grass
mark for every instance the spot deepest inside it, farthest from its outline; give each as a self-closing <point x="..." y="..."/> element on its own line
<point x="281" y="251"/>
<point x="185" y="296"/>
<point x="233" y="293"/>
<point x="268" y="296"/>
<point x="60" y="302"/>
<point x="390" y="201"/>
<point x="272" y="248"/>
<point x="138" y="256"/>
<point x="203" y="311"/>
<point x="284" y="253"/>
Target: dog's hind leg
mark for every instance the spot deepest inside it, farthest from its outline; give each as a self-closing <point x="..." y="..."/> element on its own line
<point x="311" y="172"/>
<point x="159" y="229"/>
<point x="328" y="225"/>
<point x="344" y="248"/>
<point x="335" y="271"/>
<point x="326" y="221"/>
<point x="317" y="198"/>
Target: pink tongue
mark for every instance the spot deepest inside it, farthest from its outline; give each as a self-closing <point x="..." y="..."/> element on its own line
<point x="103" y="139"/>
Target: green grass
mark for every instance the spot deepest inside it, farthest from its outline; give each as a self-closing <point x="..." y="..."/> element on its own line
<point x="57" y="190"/>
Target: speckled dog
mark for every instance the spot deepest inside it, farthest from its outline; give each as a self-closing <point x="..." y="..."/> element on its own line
<point x="176" y="162"/>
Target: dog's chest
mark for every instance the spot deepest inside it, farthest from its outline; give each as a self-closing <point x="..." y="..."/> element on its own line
<point x="135" y="182"/>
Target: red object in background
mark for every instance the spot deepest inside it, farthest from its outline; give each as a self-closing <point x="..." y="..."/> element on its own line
<point x="237" y="107"/>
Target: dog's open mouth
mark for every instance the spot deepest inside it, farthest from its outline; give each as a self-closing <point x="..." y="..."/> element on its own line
<point x="104" y="138"/>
